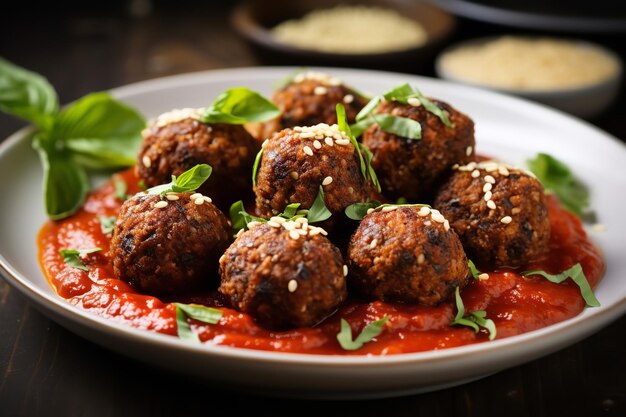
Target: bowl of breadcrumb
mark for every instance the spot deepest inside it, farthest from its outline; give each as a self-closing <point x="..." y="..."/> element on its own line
<point x="578" y="77"/>
<point x="399" y="35"/>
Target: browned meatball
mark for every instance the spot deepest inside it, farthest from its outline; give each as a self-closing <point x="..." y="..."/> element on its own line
<point x="164" y="247"/>
<point x="173" y="148"/>
<point x="411" y="168"/>
<point x="499" y="213"/>
<point x="407" y="255"/>
<point x="297" y="161"/>
<point x="310" y="99"/>
<point x="281" y="281"/>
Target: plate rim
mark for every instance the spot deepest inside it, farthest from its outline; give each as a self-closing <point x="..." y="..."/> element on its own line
<point x="60" y="306"/>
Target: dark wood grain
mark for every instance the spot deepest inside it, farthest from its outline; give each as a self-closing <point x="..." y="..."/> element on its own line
<point x="47" y="371"/>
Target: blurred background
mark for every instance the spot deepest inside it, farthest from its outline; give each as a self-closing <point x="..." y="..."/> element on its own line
<point x="89" y="46"/>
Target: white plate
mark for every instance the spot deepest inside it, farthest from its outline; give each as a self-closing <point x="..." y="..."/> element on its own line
<point x="506" y="127"/>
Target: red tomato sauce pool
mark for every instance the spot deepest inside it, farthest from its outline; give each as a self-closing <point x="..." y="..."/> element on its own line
<point x="516" y="304"/>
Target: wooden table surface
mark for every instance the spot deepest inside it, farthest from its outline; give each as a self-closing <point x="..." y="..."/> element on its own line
<point x="47" y="371"/>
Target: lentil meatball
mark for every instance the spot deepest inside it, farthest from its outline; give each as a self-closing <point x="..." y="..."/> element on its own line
<point x="172" y="147"/>
<point x="297" y="161"/>
<point x="407" y="255"/>
<point x="412" y="168"/>
<point x="499" y="213"/>
<point x="281" y="281"/>
<point x="311" y="99"/>
<point x="164" y="247"/>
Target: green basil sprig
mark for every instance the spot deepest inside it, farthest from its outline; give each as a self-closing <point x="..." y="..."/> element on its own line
<point x="239" y="217"/>
<point x="72" y="257"/>
<point x="95" y="131"/>
<point x="365" y="156"/>
<point x="120" y="188"/>
<point x="558" y="178"/>
<point x="344" y="337"/>
<point x="397" y="125"/>
<point x="187" y="182"/>
<point x="473" y="270"/>
<point x="240" y="105"/>
<point x="197" y="312"/>
<point x="107" y="224"/>
<point x="475" y="319"/>
<point x="577" y="275"/>
<point x="357" y="211"/>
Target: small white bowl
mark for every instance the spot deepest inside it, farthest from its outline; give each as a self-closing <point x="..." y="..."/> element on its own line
<point x="585" y="101"/>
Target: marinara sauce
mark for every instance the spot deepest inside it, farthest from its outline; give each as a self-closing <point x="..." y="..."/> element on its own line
<point x="515" y="303"/>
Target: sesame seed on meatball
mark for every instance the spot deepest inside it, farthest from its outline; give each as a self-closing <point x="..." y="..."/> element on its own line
<point x="168" y="246"/>
<point x="499" y="213"/>
<point x="295" y="162"/>
<point x="178" y="141"/>
<point x="309" y="99"/>
<point x="285" y="274"/>
<point x="412" y="168"/>
<point x="406" y="254"/>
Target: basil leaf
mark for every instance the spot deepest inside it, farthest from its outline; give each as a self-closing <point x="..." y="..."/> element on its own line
<point x="183" y="329"/>
<point x="401" y="126"/>
<point x="27" y="95"/>
<point x="357" y="211"/>
<point x="369" y="107"/>
<point x="556" y="177"/>
<point x="238" y="106"/>
<point x="239" y="217"/>
<point x="370" y="169"/>
<point x="433" y="108"/>
<point x="187" y="182"/>
<point x="472" y="267"/>
<point x="201" y="313"/>
<point x="361" y="126"/>
<point x="120" y="188"/>
<point x="318" y="211"/>
<point x="474" y="320"/>
<point x="344" y="337"/>
<point x="342" y="123"/>
<point x="290" y="211"/>
<point x="255" y="167"/>
<point x="65" y="183"/>
<point x="107" y="224"/>
<point x="400" y="93"/>
<point x="101" y="131"/>
<point x="401" y="201"/>
<point x="577" y="275"/>
<point x="72" y="257"/>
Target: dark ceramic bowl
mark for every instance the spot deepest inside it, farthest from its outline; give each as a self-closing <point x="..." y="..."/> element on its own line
<point x="254" y="19"/>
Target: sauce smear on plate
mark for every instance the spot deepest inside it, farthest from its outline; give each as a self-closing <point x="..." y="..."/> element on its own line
<point x="515" y="303"/>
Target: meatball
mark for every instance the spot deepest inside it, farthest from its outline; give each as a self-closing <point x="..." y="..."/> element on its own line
<point x="297" y="161"/>
<point x="171" y="147"/>
<point x="168" y="246"/>
<point x="499" y="213"/>
<point x="406" y="254"/>
<point x="284" y="273"/>
<point x="311" y="99"/>
<point x="412" y="168"/>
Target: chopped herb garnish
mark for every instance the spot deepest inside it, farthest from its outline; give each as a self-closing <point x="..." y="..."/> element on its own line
<point x="196" y="312"/>
<point x="238" y="106"/>
<point x="187" y="182"/>
<point x="475" y="319"/>
<point x="397" y="125"/>
<point x="556" y="177"/>
<point x="365" y="162"/>
<point x="472" y="267"/>
<point x="120" y="188"/>
<point x="577" y="275"/>
<point x="72" y="257"/>
<point x="402" y="200"/>
<point x="142" y="185"/>
<point x="96" y="131"/>
<point x="107" y="224"/>
<point x="344" y="337"/>
<point x="357" y="211"/>
<point x="318" y="211"/>
<point x="255" y="167"/>
<point x="239" y="217"/>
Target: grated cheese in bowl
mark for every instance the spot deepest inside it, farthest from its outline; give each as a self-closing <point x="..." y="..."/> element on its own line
<point x="352" y="30"/>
